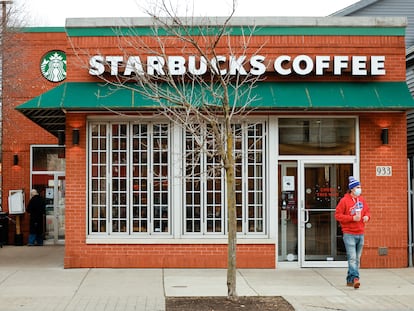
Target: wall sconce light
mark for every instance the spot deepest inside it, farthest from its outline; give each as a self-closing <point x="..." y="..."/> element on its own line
<point x="75" y="137"/>
<point x="61" y="138"/>
<point x="15" y="159"/>
<point x="384" y="136"/>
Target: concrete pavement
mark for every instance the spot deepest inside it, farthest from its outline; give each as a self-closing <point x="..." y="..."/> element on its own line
<point x="33" y="278"/>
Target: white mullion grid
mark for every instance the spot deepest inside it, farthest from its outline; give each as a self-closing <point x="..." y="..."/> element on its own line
<point x="253" y="205"/>
<point x="203" y="179"/>
<point x="223" y="203"/>
<point x="245" y="178"/>
<point x="93" y="206"/>
<point x="150" y="174"/>
<point x="166" y="179"/>
<point x="110" y="178"/>
<point x="257" y="178"/>
<point x="239" y="130"/>
<point x="193" y="171"/>
<point x="131" y="180"/>
<point x="120" y="176"/>
<point x="98" y="219"/>
<point x="214" y="178"/>
<point x="106" y="168"/>
<point x="139" y="212"/>
<point x="160" y="206"/>
<point x="265" y="208"/>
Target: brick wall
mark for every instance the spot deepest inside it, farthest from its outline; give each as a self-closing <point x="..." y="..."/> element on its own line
<point x="386" y="195"/>
<point x="168" y="256"/>
<point x="23" y="81"/>
<point x="392" y="47"/>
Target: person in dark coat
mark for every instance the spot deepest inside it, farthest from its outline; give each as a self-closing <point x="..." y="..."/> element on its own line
<point x="37" y="209"/>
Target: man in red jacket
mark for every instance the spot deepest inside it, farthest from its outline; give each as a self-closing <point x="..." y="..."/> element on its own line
<point x="352" y="212"/>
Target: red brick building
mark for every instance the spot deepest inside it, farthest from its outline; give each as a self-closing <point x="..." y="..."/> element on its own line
<point x="332" y="103"/>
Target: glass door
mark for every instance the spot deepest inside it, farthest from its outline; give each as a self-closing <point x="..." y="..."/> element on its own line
<point x="55" y="210"/>
<point x="323" y="185"/>
<point x="288" y="211"/>
<point x="52" y="188"/>
<point x="48" y="178"/>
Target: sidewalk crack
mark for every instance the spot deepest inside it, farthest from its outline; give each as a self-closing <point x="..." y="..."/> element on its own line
<point x="77" y="290"/>
<point x="9" y="276"/>
<point x="247" y="282"/>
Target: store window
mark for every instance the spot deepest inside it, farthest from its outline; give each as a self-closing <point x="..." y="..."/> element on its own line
<point x="317" y="136"/>
<point x="129" y="179"/>
<point x="48" y="158"/>
<point x="205" y="186"/>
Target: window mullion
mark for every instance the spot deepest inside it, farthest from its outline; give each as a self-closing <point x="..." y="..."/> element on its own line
<point x="108" y="180"/>
<point x="203" y="180"/>
<point x="245" y="179"/>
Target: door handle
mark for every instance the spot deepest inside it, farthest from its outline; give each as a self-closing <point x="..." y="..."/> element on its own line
<point x="306" y="214"/>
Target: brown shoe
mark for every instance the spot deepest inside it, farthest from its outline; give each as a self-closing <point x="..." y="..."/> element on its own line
<point x="356" y="283"/>
<point x="350" y="284"/>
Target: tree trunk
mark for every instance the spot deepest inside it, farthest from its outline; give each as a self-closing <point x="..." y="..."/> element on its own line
<point x="232" y="219"/>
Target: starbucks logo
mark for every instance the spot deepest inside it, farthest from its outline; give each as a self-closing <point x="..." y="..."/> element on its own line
<point x="53" y="66"/>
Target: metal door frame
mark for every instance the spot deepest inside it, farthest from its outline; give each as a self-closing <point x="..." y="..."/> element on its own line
<point x="56" y="212"/>
<point x="302" y="211"/>
<point x="55" y="174"/>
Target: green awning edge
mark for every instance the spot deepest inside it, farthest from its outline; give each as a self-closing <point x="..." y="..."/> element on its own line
<point x="48" y="109"/>
<point x="268" y="95"/>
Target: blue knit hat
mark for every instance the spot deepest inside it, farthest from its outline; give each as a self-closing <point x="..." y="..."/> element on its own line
<point x="353" y="182"/>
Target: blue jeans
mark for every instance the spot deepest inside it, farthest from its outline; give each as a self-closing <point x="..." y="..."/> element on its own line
<point x="35" y="238"/>
<point x="353" y="245"/>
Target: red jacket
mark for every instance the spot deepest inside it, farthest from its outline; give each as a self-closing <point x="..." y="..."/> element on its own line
<point x="345" y="211"/>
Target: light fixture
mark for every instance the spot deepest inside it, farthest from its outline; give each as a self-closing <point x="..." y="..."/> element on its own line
<point x="61" y="138"/>
<point x="15" y="159"/>
<point x="75" y="137"/>
<point x="384" y="136"/>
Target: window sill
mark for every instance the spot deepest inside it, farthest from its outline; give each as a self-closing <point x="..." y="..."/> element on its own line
<point x="106" y="240"/>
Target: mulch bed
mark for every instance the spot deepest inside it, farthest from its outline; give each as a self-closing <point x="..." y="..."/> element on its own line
<point x="245" y="303"/>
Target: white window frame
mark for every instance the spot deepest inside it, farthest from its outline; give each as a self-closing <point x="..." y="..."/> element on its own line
<point x="244" y="192"/>
<point x="175" y="193"/>
<point x="128" y="180"/>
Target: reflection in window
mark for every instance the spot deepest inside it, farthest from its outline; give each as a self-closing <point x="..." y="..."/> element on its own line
<point x="49" y="159"/>
<point x="318" y="136"/>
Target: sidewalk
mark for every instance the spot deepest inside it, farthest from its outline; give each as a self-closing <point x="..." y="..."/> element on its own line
<point x="33" y="278"/>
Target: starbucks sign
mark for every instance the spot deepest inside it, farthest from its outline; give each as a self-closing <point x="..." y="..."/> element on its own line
<point x="53" y="66"/>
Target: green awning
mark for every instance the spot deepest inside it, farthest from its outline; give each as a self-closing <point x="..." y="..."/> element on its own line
<point x="48" y="109"/>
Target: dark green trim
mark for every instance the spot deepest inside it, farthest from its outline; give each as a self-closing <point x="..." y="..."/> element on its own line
<point x="237" y="31"/>
<point x="42" y="29"/>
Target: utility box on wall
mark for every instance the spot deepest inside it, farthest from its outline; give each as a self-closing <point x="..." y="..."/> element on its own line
<point x="17" y="207"/>
<point x="16" y="202"/>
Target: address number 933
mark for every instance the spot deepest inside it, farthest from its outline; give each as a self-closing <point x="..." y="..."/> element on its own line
<point x="384" y="170"/>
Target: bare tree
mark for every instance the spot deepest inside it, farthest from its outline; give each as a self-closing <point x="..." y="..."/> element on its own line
<point x="11" y="23"/>
<point x="14" y="17"/>
<point x="204" y="97"/>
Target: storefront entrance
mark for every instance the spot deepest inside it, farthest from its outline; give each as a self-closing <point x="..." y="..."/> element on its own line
<point x="48" y="178"/>
<point x="309" y="191"/>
